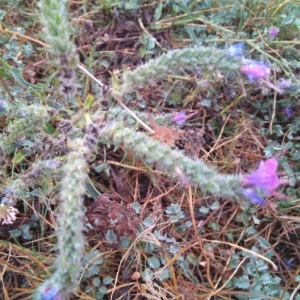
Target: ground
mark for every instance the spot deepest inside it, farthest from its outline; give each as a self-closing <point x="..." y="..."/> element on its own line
<point x="150" y="234"/>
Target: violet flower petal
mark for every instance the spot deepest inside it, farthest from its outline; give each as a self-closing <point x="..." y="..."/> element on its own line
<point x="273" y="32"/>
<point x="235" y="50"/>
<point x="179" y="118"/>
<point x="265" y="177"/>
<point x="51" y="294"/>
<point x="255" y="70"/>
<point x="2" y="107"/>
<point x="253" y="197"/>
<point x="284" y="84"/>
<point x="288" y="111"/>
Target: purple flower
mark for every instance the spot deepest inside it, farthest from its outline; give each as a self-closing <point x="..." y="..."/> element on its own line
<point x="51" y="294"/>
<point x="254" y="198"/>
<point x="284" y="84"/>
<point x="235" y="50"/>
<point x="265" y="177"/>
<point x="264" y="181"/>
<point x="255" y="70"/>
<point x="179" y="118"/>
<point x="288" y="111"/>
<point x="2" y="107"/>
<point x="19" y="141"/>
<point x="273" y="32"/>
<point x="290" y="263"/>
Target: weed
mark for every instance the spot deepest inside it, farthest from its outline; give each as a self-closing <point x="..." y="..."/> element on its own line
<point x="142" y="144"/>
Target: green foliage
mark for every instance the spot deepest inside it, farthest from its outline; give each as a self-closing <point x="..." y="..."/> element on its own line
<point x="257" y="281"/>
<point x="175" y="213"/>
<point x="70" y="224"/>
<point x="24" y="120"/>
<point x="54" y="18"/>
<point x="62" y="152"/>
<point x="172" y="162"/>
<point x="177" y="62"/>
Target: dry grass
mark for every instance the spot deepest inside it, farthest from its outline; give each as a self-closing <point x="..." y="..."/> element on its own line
<point x="226" y="138"/>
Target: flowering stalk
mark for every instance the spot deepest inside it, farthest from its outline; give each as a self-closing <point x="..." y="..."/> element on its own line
<point x="70" y="227"/>
<point x="177" y="62"/>
<point x="173" y="162"/>
<point x="54" y="18"/>
<point x="195" y="172"/>
<point x="117" y="113"/>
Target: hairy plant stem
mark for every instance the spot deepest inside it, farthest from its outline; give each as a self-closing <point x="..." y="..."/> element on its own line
<point x="173" y="162"/>
<point x="70" y="227"/>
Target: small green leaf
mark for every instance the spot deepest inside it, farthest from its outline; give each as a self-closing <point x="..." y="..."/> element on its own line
<point x="28" y="50"/>
<point x="187" y="272"/>
<point x="158" y="11"/>
<point x="164" y="274"/>
<point x="17" y="75"/>
<point x="230" y="236"/>
<point x="108" y="280"/>
<point x="214" y="226"/>
<point x="159" y="235"/>
<point x="215" y="205"/>
<point x="101" y="292"/>
<point x="96" y="281"/>
<point x="25" y="232"/>
<point x="125" y="242"/>
<point x="255" y="220"/>
<point x="261" y="265"/>
<point x="243" y="282"/>
<point x="111" y="236"/>
<point x="266" y="278"/>
<point x="147" y="274"/>
<point x="153" y="262"/>
<point x="192" y="259"/>
<point x="2" y="14"/>
<point x="91" y="189"/>
<point x="182" y="8"/>
<point x="132" y="4"/>
<point x="98" y="261"/>
<point x="102" y="167"/>
<point x="233" y="263"/>
<point x="49" y="129"/>
<point x="251" y="230"/>
<point x="15" y="232"/>
<point x="88" y="102"/>
<point x="143" y="51"/>
<point x="137" y="207"/>
<point x="263" y="242"/>
<point x="204" y="210"/>
<point x="189" y="223"/>
<point x="93" y="270"/>
<point x="148" y="222"/>
<point x="19" y="157"/>
<point x="114" y="80"/>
